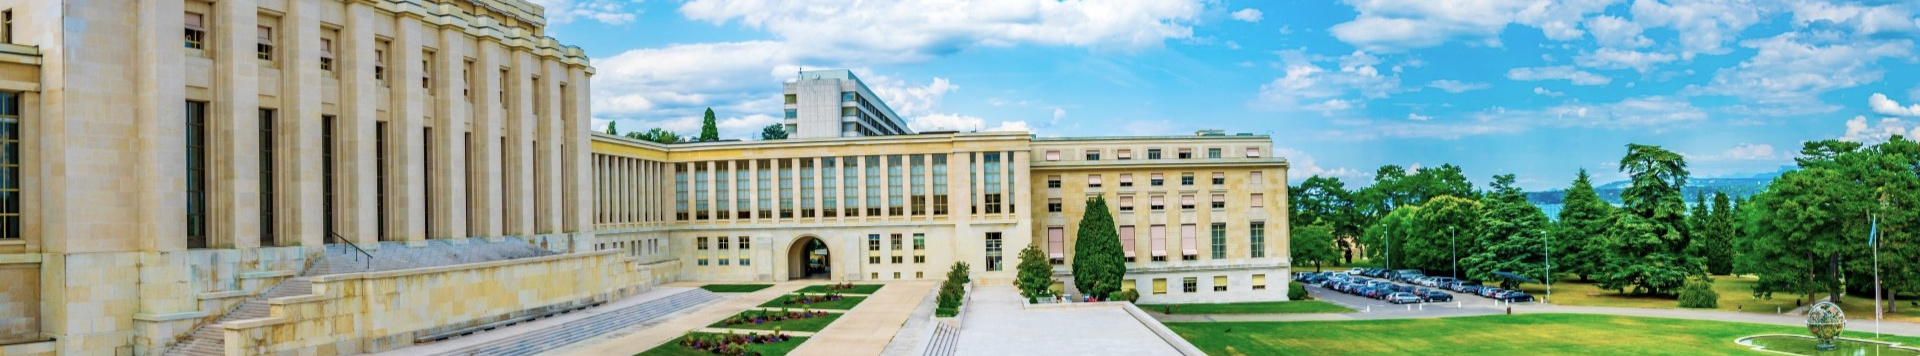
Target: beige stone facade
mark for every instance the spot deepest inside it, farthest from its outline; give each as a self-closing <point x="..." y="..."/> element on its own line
<point x="179" y="156"/>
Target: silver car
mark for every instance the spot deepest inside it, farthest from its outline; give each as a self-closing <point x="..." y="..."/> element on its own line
<point x="1402" y="298"/>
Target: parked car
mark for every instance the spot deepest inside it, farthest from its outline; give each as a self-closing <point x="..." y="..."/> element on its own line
<point x="1441" y="281"/>
<point x="1403" y="297"/>
<point x="1356" y="270"/>
<point x="1516" y="297"/>
<point x="1488" y="292"/>
<point x="1435" y="296"/>
<point x="1467" y="288"/>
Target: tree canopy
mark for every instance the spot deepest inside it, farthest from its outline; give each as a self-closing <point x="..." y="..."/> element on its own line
<point x="709" y="128"/>
<point x="1581" y="232"/>
<point x="1099" y="264"/>
<point x="1312" y="244"/>
<point x="773" y="132"/>
<point x="1648" y="249"/>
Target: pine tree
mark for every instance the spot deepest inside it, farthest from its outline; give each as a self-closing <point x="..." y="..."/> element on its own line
<point x="1582" y="229"/>
<point x="709" y="129"/>
<point x="611" y="130"/>
<point x="1035" y="275"/>
<point x="773" y="132"/>
<point x="1719" y="236"/>
<point x="1098" y="262"/>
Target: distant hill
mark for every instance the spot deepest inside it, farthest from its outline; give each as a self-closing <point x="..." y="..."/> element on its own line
<point x="1735" y="187"/>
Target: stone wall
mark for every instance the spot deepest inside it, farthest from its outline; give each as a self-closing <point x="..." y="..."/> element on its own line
<point x="371" y="312"/>
<point x="19" y="302"/>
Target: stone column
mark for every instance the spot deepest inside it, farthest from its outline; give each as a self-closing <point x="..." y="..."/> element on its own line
<point x="449" y="136"/>
<point x="576" y="132"/>
<point x="519" y="187"/>
<point x="300" y="167"/>
<point x="357" y="120"/>
<point x="161" y="127"/>
<point x="233" y="129"/>
<point x="406" y="200"/>
<point x="547" y="126"/>
<point x="486" y="124"/>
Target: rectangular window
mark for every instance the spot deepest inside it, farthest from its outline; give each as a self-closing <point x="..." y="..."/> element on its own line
<point x="1186" y="179"/>
<point x="1153" y="153"/>
<point x="1256" y="178"/>
<point x="1219" y="283"/>
<point x="1219" y="240"/>
<point x="1159" y="242"/>
<point x="9" y="161"/>
<point x="746" y="252"/>
<point x="1126" y="179"/>
<point x="263" y="47"/>
<point x="1053" y="205"/>
<point x="1053" y="181"/>
<point x="793" y="113"/>
<point x="1190" y="285"/>
<point x="1053" y="155"/>
<point x="700" y="243"/>
<point x="680" y="191"/>
<point x="1186" y="153"/>
<point x="326" y="54"/>
<point x="846" y="96"/>
<point x="426" y="170"/>
<point x="1056" y="245"/>
<point x="196" y="174"/>
<point x="1219" y="178"/>
<point x="1157" y="180"/>
<point x="896" y="242"/>
<point x="896" y="205"/>
<point x="1213" y="153"/>
<point x="380" y="71"/>
<point x="1253" y="152"/>
<point x="1159" y="286"/>
<point x="1219" y="201"/>
<point x="196" y="37"/>
<point x="1256" y="201"/>
<point x="1259" y="282"/>
<point x="1126" y="241"/>
<point x="1093" y="181"/>
<point x="1123" y="154"/>
<point x="380" y="179"/>
<point x="6" y="26"/>
<point x="786" y="188"/>
<point x="722" y="242"/>
<point x="873" y="248"/>
<point x="1157" y="203"/>
<point x="1186" y="202"/>
<point x="1126" y="203"/>
<point x="1189" y="242"/>
<point x="327" y="169"/>
<point x="993" y="251"/>
<point x="919" y="248"/>
<point x="1257" y="236"/>
<point x="1093" y="155"/>
<point x="940" y="184"/>
<point x="267" y="226"/>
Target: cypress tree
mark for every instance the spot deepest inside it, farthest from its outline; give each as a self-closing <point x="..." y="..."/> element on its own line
<point x="709" y="129"/>
<point x="1098" y="262"/>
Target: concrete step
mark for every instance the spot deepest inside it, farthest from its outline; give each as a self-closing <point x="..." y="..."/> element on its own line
<point x="589" y="327"/>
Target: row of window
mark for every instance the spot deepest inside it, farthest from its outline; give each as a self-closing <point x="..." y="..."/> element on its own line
<point x="634" y="247"/>
<point x="835" y="186"/>
<point x="1256" y="242"/>
<point x="1159" y="179"/>
<point x="874" y="251"/>
<point x="1158" y="202"/>
<point x="9" y="160"/>
<point x="1192" y="284"/>
<point x="196" y="35"/>
<point x="701" y="257"/>
<point x="1153" y="153"/>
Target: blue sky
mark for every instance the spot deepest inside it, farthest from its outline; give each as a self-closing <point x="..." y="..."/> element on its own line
<point x="1538" y="88"/>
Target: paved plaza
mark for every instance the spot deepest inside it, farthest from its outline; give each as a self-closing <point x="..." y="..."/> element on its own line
<point x="996" y="326"/>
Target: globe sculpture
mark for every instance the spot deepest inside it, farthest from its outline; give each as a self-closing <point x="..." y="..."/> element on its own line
<point x="1825" y="321"/>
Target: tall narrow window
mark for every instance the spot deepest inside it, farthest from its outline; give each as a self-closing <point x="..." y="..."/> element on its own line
<point x="9" y="160"/>
<point x="680" y="191"/>
<point x="327" y="167"/>
<point x="1056" y="245"/>
<point x="326" y="54"/>
<point x="940" y="184"/>
<point x="1126" y="242"/>
<point x="6" y="26"/>
<point x="993" y="251"/>
<point x="267" y="226"/>
<point x="196" y="37"/>
<point x="1257" y="233"/>
<point x="896" y="204"/>
<point x="426" y="172"/>
<point x="898" y="247"/>
<point x="919" y="248"/>
<point x="380" y="67"/>
<point x="263" y="48"/>
<point x="873" y="248"/>
<point x="1219" y="240"/>
<point x="196" y="174"/>
<point x="380" y="179"/>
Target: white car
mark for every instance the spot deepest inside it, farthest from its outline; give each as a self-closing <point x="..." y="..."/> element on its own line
<point x="1403" y="297"/>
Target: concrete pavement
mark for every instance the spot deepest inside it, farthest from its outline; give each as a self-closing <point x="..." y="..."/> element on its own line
<point x="870" y="326"/>
<point x="997" y="326"/>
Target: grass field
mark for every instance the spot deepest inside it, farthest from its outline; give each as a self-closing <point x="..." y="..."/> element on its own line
<point x="808" y="324"/>
<point x="734" y="288"/>
<point x="673" y="348"/>
<point x="1292" y="307"/>
<point x="857" y="289"/>
<point x="842" y="304"/>
<point x="1736" y="294"/>
<point x="1528" y="334"/>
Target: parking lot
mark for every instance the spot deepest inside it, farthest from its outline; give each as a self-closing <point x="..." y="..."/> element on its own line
<point x="1327" y="291"/>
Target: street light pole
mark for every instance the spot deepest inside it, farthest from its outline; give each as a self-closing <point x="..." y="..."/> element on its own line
<point x="1453" y="245"/>
<point x="1389" y="250"/>
<point x="1546" y="249"/>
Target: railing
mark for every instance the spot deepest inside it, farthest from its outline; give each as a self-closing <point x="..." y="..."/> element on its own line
<point x="356" y="247"/>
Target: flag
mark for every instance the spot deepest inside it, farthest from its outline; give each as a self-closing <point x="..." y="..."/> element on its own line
<point x="1873" y="230"/>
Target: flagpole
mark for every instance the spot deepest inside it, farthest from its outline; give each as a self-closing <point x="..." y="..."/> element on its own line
<point x="1878" y="309"/>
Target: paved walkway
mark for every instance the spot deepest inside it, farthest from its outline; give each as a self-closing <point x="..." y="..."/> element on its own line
<point x="911" y="334"/>
<point x="996" y="326"/>
<point x="636" y="308"/>
<point x="870" y="326"/>
<point x="1441" y="310"/>
<point x="654" y="335"/>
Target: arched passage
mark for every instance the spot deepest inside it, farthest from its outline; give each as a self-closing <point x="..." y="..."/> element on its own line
<point x="808" y="258"/>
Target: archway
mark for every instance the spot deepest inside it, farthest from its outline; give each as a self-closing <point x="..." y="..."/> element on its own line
<point x="809" y="259"/>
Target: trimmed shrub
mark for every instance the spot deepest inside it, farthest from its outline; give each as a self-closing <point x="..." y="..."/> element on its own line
<point x="1128" y="295"/>
<point x="1698" y="293"/>
<point x="959" y="273"/>
<point x="1035" y="277"/>
<point x="1295" y="291"/>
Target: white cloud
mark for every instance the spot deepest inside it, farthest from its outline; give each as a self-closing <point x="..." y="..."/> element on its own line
<point x="955" y="122"/>
<point x="1740" y="152"/>
<point x="1233" y="45"/>
<point x="1311" y="87"/>
<point x="1881" y="104"/>
<point x="1858" y="130"/>
<point x="1791" y="70"/>
<point x="923" y="28"/>
<point x="1303" y="166"/>
<point x="1544" y="91"/>
<point x="1704" y="26"/>
<point x="1418" y="117"/>
<point x="1059" y="113"/>
<point x="1611" y="31"/>
<point x="1651" y="113"/>
<point x="1455" y="86"/>
<point x="1655" y="112"/>
<point x="612" y="12"/>
<point x="1610" y="58"/>
<point x="1390" y="25"/>
<point x="1248" y="15"/>
<point x="1861" y="19"/>
<point x="907" y="99"/>
<point x="1578" y="77"/>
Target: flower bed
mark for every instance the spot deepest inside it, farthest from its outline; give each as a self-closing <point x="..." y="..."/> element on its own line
<point x="777" y="320"/>
<point x="848" y="288"/>
<point x="729" y="344"/>
<point x="815" y="301"/>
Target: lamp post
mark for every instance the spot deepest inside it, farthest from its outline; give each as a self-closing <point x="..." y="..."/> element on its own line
<point x="1453" y="245"/>
<point x="1546" y="249"/>
<point x="1389" y="249"/>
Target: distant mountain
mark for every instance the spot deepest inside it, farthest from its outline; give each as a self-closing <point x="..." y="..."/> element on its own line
<point x="1735" y="187"/>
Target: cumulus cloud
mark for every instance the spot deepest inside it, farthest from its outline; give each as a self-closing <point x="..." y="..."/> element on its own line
<point x="1059" y="113"/>
<point x="1861" y="19"/>
<point x="1544" y="91"/>
<point x="1310" y="86"/>
<point x="955" y="122"/>
<point x="1455" y="86"/>
<point x="1578" y="77"/>
<point x="922" y="28"/>
<point x="1881" y="104"/>
<point x="1704" y="27"/>
<point x="612" y="12"/>
<point x="1303" y="166"/>
<point x="1648" y="112"/>
<point x="1418" y="117"/>
<point x="1740" y="152"/>
<point x="907" y="99"/>
<point x="1248" y="15"/>
<point x="1612" y="31"/>
<point x="1391" y="25"/>
<point x="1859" y="130"/>
<point x="1790" y="71"/>
<point x="1610" y="58"/>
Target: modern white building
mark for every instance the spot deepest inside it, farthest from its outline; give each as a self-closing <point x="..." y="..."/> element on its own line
<point x="835" y="103"/>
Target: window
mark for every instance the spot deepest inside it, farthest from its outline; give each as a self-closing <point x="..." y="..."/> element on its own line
<point x="1157" y="203"/>
<point x="1159" y="242"/>
<point x="1126" y="241"/>
<point x="1053" y="155"/>
<point x="6" y="26"/>
<point x="380" y="72"/>
<point x="327" y="168"/>
<point x="1093" y="155"/>
<point x="1219" y="178"/>
<point x="1056" y="245"/>
<point x="9" y="162"/>
<point x="426" y="73"/>
<point x="746" y="252"/>
<point x="1124" y="154"/>
<point x="1258" y="200"/>
<point x="1127" y="284"/>
<point x="196" y="37"/>
<point x="1259" y="282"/>
<point x="1219" y="283"/>
<point x="1126" y="203"/>
<point x="1257" y="234"/>
<point x="267" y="236"/>
<point x="1186" y="153"/>
<point x="1219" y="201"/>
<point x="1053" y="181"/>
<point x="993" y="251"/>
<point x="1213" y="153"/>
<point x="1159" y="286"/>
<point x="1188" y="241"/>
<point x="196" y="172"/>
<point x="1190" y="284"/>
<point x="700" y="243"/>
<point x="1256" y="177"/>
<point x="873" y="249"/>
<point x="263" y="48"/>
<point x="1093" y="181"/>
<point x="1186" y="201"/>
<point x="380" y="178"/>
<point x="1153" y="153"/>
<point x="897" y="246"/>
<point x="1053" y="205"/>
<point x="919" y="249"/>
<point x="1219" y="240"/>
<point x="793" y="113"/>
<point x="846" y="96"/>
<point x="1157" y="180"/>
<point x="1253" y="152"/>
<point x="722" y="242"/>
<point x="1186" y="179"/>
<point x="326" y="54"/>
<point x="1126" y="179"/>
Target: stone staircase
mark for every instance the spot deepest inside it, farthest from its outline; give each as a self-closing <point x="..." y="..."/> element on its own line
<point x="210" y="339"/>
<point x="537" y="341"/>
<point x="946" y="340"/>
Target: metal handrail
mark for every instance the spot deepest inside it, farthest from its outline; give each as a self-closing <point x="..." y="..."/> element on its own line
<point x="356" y="247"/>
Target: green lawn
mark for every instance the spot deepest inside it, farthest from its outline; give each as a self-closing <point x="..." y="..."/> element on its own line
<point x="673" y="348"/>
<point x="734" y="288"/>
<point x="1527" y="334"/>
<point x="842" y="304"/>
<point x="1292" y="307"/>
<point x="857" y="289"/>
<point x="1736" y="294"/>
<point x="808" y="324"/>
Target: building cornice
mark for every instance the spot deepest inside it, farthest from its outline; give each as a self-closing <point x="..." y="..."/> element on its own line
<point x="486" y="27"/>
<point x="1161" y="164"/>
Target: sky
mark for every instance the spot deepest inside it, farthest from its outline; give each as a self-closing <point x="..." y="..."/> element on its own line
<point x="1535" y="88"/>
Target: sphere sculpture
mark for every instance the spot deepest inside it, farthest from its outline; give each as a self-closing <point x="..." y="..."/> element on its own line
<point x="1825" y="321"/>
